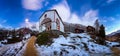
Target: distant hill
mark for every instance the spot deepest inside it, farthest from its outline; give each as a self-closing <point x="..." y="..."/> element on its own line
<point x="69" y="27"/>
<point x="115" y="35"/>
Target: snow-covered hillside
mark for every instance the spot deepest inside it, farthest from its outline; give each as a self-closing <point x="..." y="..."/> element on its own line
<point x="73" y="45"/>
<point x="14" y="49"/>
<point x="11" y="49"/>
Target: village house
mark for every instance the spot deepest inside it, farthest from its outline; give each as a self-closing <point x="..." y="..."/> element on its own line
<point x="90" y="29"/>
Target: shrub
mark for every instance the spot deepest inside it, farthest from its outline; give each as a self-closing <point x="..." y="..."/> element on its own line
<point x="43" y="39"/>
<point x="13" y="40"/>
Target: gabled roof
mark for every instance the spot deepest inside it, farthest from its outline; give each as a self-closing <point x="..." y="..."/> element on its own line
<point x="52" y="10"/>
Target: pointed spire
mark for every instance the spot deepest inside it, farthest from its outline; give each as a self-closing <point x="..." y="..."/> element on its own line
<point x="97" y="26"/>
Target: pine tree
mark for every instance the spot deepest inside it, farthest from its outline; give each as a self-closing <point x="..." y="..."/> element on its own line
<point x="102" y="35"/>
<point x="102" y="31"/>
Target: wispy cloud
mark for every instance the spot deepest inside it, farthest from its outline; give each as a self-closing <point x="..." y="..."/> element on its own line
<point x="32" y="4"/>
<point x="2" y="21"/>
<point x="63" y="10"/>
<point x="114" y="26"/>
<point x="46" y="3"/>
<point x="67" y="16"/>
<point x="109" y="1"/>
<point x="3" y="24"/>
<point x="0" y="25"/>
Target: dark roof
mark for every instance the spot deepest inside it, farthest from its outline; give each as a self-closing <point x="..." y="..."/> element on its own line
<point x="52" y="10"/>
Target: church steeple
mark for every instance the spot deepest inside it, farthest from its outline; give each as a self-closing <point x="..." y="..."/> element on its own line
<point x="97" y="26"/>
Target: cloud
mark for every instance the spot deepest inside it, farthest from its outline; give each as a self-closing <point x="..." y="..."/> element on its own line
<point x="31" y="25"/>
<point x="3" y="24"/>
<point x="46" y="3"/>
<point x="104" y="21"/>
<point x="4" y="21"/>
<point x="113" y="27"/>
<point x="112" y="18"/>
<point x="32" y="4"/>
<point x="67" y="16"/>
<point x="0" y="25"/>
<point x="109" y="1"/>
<point x="63" y="10"/>
<point x="89" y="17"/>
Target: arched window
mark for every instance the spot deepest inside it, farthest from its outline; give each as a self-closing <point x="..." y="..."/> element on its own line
<point x="45" y="16"/>
<point x="47" y="22"/>
<point x="58" y="24"/>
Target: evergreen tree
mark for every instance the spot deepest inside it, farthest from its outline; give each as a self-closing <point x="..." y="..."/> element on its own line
<point x="102" y="31"/>
<point x="102" y="35"/>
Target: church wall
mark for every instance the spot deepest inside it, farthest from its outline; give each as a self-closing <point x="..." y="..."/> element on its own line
<point x="61" y="24"/>
<point x="53" y="26"/>
<point x="51" y="15"/>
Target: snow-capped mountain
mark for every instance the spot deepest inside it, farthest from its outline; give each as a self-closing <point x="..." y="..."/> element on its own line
<point x="114" y="33"/>
<point x="115" y="36"/>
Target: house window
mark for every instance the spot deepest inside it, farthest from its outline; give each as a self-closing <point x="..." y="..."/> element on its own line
<point x="50" y="26"/>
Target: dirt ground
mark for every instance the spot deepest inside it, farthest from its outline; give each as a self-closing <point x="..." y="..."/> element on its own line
<point x="30" y="48"/>
<point x="116" y="51"/>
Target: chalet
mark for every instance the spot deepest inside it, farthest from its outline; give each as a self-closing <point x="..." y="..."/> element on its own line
<point x="50" y="20"/>
<point x="78" y="29"/>
<point x="90" y="29"/>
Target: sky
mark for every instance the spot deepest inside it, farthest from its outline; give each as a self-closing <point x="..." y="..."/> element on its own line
<point x="16" y="13"/>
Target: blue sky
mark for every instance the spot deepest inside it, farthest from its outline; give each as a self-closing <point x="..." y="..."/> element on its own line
<point x="14" y="12"/>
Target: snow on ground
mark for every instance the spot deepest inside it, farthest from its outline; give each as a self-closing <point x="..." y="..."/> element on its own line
<point x="1" y="44"/>
<point x="111" y="44"/>
<point x="14" y="49"/>
<point x="27" y="36"/>
<point x="3" y="41"/>
<point x="21" y="52"/>
<point x="73" y="45"/>
<point x="11" y="49"/>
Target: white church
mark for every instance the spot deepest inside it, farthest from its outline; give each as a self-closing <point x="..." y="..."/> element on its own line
<point x="50" y="20"/>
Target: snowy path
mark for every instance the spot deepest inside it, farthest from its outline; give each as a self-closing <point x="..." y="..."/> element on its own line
<point x="30" y="48"/>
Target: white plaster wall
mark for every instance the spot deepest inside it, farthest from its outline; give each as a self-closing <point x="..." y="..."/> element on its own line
<point x="61" y="24"/>
<point x="50" y="14"/>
